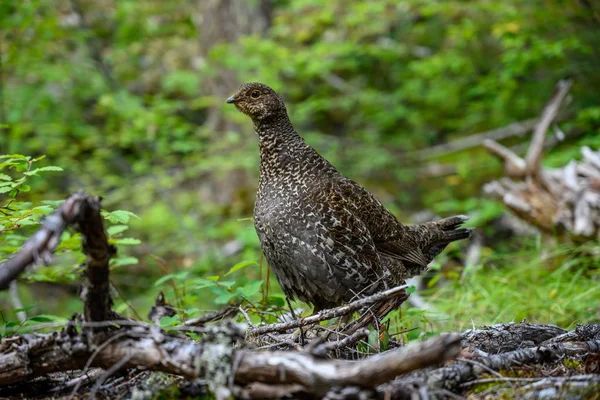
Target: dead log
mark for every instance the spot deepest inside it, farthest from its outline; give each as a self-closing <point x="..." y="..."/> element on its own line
<point x="507" y="337"/>
<point x="28" y="356"/>
<point x="451" y="377"/>
<point x="332" y="313"/>
<point x="130" y="344"/>
<point x="565" y="201"/>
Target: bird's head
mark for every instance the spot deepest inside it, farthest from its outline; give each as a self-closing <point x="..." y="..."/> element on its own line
<point x="258" y="101"/>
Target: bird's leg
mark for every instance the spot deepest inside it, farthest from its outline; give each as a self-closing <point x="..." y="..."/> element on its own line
<point x="299" y="332"/>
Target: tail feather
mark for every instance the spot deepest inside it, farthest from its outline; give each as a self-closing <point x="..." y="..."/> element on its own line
<point x="450" y="232"/>
<point x="456" y="234"/>
<point x="451" y="223"/>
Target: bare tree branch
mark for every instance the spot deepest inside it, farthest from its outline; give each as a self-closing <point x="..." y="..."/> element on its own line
<point x="96" y="294"/>
<point x="536" y="147"/>
<point x="515" y="129"/>
<point x="41" y="245"/>
<point x="331" y="313"/>
<point x="453" y="376"/>
<point x="27" y="356"/>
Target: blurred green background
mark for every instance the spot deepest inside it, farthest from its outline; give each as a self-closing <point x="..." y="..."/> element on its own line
<point x="127" y="98"/>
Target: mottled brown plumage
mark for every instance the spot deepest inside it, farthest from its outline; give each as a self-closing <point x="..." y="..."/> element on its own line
<point x="324" y="236"/>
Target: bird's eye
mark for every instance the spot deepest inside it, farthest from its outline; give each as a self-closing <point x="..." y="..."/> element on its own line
<point x="255" y="94"/>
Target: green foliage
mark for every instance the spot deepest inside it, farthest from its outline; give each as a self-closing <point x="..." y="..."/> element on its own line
<point x="16" y="173"/>
<point x="19" y="219"/>
<point x="541" y="283"/>
<point x="119" y="98"/>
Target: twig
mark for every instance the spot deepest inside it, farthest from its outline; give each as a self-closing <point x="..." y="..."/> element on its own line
<point x="514" y="166"/>
<point x="534" y="154"/>
<point x="216" y="316"/>
<point x="587" y="377"/>
<point x="514" y="129"/>
<point x="43" y="242"/>
<point x="246" y="316"/>
<point x="15" y="299"/>
<point x="318" y="375"/>
<point x="454" y="375"/>
<point x="93" y="356"/>
<point x="325" y="348"/>
<point x="107" y="374"/>
<point x="330" y="313"/>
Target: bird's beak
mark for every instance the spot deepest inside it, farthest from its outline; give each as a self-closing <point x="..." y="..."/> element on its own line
<point x="231" y="100"/>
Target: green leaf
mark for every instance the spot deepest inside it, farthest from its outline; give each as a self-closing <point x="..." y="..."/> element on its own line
<point x="24" y="309"/>
<point x="119" y="216"/>
<point x="5" y="189"/>
<point x="42" y="209"/>
<point x="174" y="276"/>
<point x="53" y="203"/>
<point x="241" y="265"/>
<point x="5" y="177"/>
<point x="115" y="229"/>
<point x="170" y="321"/>
<point x="250" y="289"/>
<point x="224" y="298"/>
<point x="202" y="283"/>
<point x="50" y="168"/>
<point x="127" y="241"/>
<point x="121" y="261"/>
<point x="411" y="289"/>
<point x="42" y="169"/>
<point x="41" y="318"/>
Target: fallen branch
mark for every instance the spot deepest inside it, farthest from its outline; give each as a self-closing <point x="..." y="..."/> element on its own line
<point x="453" y="376"/>
<point x="330" y="313"/>
<point x="317" y="375"/>
<point x="515" y="129"/>
<point x="41" y="245"/>
<point x="536" y="147"/>
<point x="324" y="348"/>
<point x="507" y="337"/>
<point x="28" y="356"/>
<point x="227" y="312"/>
<point x="557" y="201"/>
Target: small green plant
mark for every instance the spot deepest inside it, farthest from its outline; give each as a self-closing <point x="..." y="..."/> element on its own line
<point x="19" y="218"/>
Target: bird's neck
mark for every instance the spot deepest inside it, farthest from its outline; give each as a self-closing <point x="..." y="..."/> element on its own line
<point x="279" y="143"/>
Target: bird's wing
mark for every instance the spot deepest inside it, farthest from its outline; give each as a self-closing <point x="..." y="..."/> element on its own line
<point x="390" y="236"/>
<point x="343" y="240"/>
<point x="403" y="250"/>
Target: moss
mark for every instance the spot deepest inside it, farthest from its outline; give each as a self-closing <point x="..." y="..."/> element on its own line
<point x="572" y="364"/>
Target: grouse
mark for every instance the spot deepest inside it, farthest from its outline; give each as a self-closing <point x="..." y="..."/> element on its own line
<point x="326" y="238"/>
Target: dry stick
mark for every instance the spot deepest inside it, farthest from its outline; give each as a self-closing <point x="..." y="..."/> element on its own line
<point x="117" y="366"/>
<point x="514" y="166"/>
<point x="514" y="129"/>
<point x="330" y="313"/>
<point x="501" y="338"/>
<point x="452" y="376"/>
<point x="16" y="301"/>
<point x="562" y="379"/>
<point x="96" y="294"/>
<point x="325" y="348"/>
<point x="43" y="242"/>
<point x="536" y="147"/>
<point x="92" y="357"/>
<point x="318" y="375"/>
<point x="32" y="355"/>
<point x="217" y="315"/>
